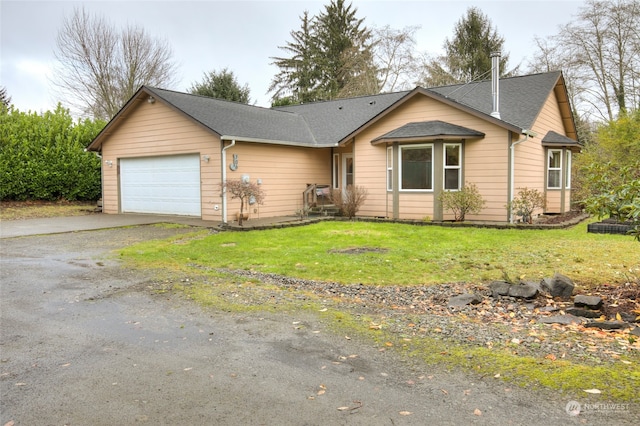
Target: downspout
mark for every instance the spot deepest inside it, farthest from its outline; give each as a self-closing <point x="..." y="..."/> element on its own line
<point x="512" y="178"/>
<point x="224" y="178"/>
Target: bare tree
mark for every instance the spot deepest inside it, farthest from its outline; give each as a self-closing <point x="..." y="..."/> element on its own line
<point x="599" y="52"/>
<point x="100" y="67"/>
<point x="396" y="58"/>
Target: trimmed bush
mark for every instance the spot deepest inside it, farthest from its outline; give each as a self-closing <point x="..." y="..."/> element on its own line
<point x="42" y="156"/>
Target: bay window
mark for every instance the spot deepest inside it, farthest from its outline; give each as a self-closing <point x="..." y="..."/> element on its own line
<point x="554" y="169"/>
<point x="416" y="167"/>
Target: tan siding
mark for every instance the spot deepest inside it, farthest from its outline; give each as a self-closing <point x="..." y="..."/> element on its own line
<point x="155" y="130"/>
<point x="284" y="171"/>
<point x="485" y="162"/>
<point x="531" y="161"/>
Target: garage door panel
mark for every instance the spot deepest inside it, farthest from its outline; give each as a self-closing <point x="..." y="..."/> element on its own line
<point x="162" y="185"/>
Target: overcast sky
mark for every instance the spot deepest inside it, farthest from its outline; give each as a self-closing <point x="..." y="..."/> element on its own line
<point x="242" y="35"/>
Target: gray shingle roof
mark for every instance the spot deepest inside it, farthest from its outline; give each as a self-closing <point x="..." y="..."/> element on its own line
<point x="240" y="120"/>
<point x="521" y="98"/>
<point x="433" y="128"/>
<point x="332" y="121"/>
<point x="324" y="124"/>
<point x="554" y="138"/>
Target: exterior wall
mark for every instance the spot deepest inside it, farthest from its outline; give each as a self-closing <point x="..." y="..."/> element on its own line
<point x="531" y="159"/>
<point x="485" y="163"/>
<point x="284" y="171"/>
<point x="155" y="130"/>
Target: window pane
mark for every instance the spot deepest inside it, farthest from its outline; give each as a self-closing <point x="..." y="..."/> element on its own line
<point x="452" y="155"/>
<point x="554" y="179"/>
<point x="452" y="179"/>
<point x="416" y="168"/>
<point x="554" y="159"/>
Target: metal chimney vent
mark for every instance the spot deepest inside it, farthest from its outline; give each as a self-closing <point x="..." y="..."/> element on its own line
<point x="495" y="84"/>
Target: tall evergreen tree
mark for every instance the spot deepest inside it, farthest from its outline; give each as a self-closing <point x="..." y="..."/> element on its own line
<point x="221" y="85"/>
<point x="330" y="56"/>
<point x="299" y="74"/>
<point x="5" y="99"/>
<point x="347" y="54"/>
<point x="468" y="54"/>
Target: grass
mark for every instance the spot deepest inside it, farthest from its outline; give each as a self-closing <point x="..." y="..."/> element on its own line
<point x="397" y="254"/>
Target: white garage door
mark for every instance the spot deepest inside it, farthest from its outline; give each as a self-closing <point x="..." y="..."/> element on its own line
<point x="163" y="185"/>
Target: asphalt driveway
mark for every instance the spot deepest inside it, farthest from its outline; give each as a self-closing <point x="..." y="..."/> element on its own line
<point x="84" y="342"/>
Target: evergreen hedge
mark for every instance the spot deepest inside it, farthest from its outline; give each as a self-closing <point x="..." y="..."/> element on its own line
<point x="42" y="156"/>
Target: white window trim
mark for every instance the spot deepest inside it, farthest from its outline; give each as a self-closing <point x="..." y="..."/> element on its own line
<point x="390" y="168"/>
<point x="567" y="171"/>
<point x="445" y="167"/>
<point x="555" y="169"/>
<point x="401" y="147"/>
<point x="335" y="169"/>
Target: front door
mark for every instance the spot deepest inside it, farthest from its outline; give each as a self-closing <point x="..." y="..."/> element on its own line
<point x="347" y="170"/>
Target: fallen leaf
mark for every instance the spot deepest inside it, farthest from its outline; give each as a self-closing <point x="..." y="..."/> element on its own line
<point x="497" y="375"/>
<point x="405" y="413"/>
<point x="444" y="392"/>
<point x="9" y="423"/>
<point x="625" y="361"/>
<point x="618" y="317"/>
<point x="592" y="391"/>
<point x="66" y="365"/>
<point x="323" y="310"/>
<point x="389" y="344"/>
<point x="477" y="412"/>
<point x="343" y="408"/>
<point x="347" y="337"/>
<point x="552" y="357"/>
<point x="188" y="368"/>
<point x="321" y="392"/>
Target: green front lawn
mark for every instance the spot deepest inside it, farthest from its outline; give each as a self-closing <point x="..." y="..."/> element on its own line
<point x="398" y="254"/>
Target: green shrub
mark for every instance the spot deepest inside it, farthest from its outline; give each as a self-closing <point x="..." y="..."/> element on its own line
<point x="465" y="201"/>
<point x="42" y="156"/>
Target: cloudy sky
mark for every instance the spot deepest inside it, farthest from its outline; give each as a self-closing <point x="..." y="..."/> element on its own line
<point x="243" y="34"/>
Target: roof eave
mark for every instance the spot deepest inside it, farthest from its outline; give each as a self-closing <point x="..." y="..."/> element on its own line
<point x="429" y="138"/>
<point x="271" y="141"/>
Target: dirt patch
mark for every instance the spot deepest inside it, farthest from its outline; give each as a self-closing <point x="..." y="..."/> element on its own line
<point x="359" y="250"/>
<point x="37" y="209"/>
<point x="556" y="219"/>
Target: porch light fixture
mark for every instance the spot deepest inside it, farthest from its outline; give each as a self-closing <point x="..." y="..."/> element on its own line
<point x="108" y="163"/>
<point x="151" y="100"/>
<point x="205" y="158"/>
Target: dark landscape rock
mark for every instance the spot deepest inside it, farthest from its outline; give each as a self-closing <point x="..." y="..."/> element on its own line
<point x="591" y="302"/>
<point x="549" y="309"/>
<point x="465" y="299"/>
<point x="558" y="286"/>
<point x="585" y="313"/>
<point x="629" y="317"/>
<point x="607" y="325"/>
<point x="523" y="290"/>
<point x="560" y="319"/>
<point x="499" y="288"/>
<point x="635" y="331"/>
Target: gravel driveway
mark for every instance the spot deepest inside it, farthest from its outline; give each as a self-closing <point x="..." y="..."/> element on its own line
<point x="83" y="342"/>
